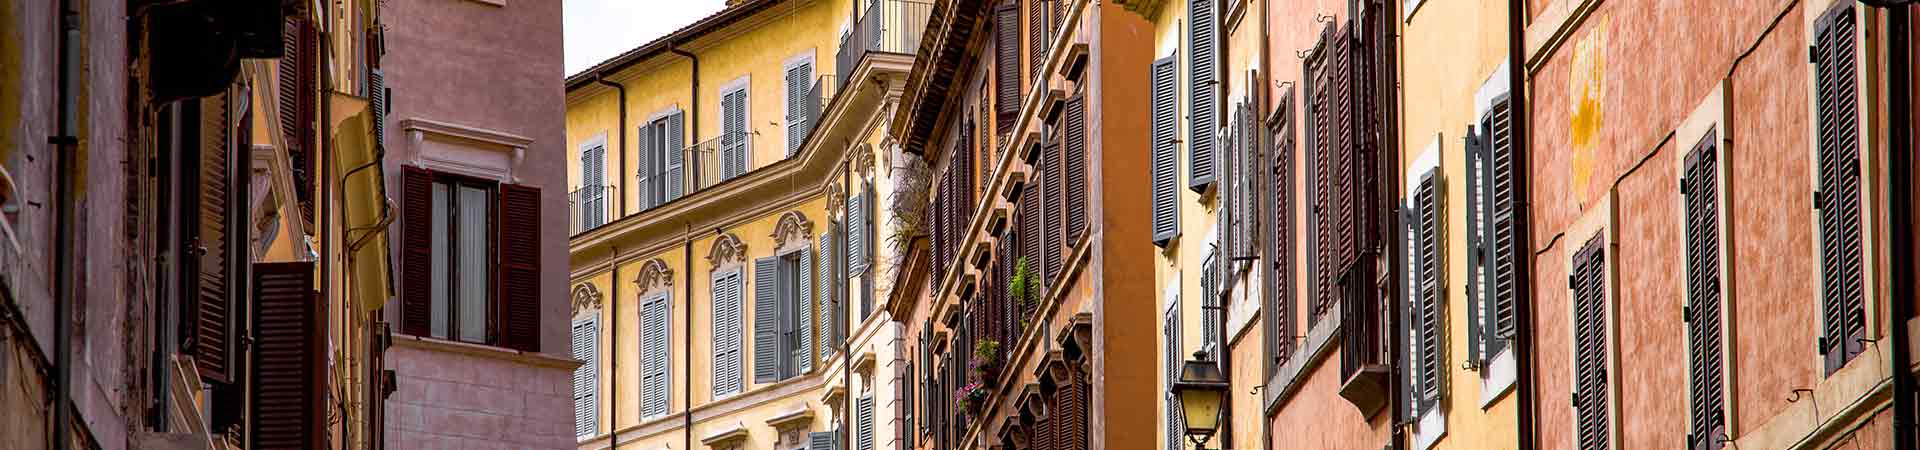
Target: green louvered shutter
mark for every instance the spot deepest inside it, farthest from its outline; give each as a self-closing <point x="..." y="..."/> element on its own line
<point x="1203" y="91"/>
<point x="766" y="320"/>
<point x="1166" y="212"/>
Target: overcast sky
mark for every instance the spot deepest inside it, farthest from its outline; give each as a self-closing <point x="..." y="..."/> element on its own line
<point x="601" y="29"/>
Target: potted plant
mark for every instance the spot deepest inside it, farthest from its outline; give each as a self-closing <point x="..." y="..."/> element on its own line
<point x="971" y="397"/>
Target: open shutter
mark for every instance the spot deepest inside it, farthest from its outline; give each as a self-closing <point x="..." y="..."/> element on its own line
<point x="676" y="176"/>
<point x="519" y="262"/>
<point x="1202" y="92"/>
<point x="805" y="353"/>
<point x="766" y="320"/>
<point x="214" y="317"/>
<point x="289" y="385"/>
<point x="1503" y="187"/>
<point x="823" y="440"/>
<point x="1006" y="67"/>
<point x="1591" y="428"/>
<point x="1037" y="42"/>
<point x="1478" y="313"/>
<point x="416" y="251"/>
<point x="823" y="303"/>
<point x="799" y="82"/>
<point x="1841" y="265"/>
<point x="377" y="95"/>
<point x="1166" y="198"/>
<point x="1409" y="330"/>
<point x="648" y="171"/>
<point x="1074" y="147"/>
<point x="865" y="419"/>
<point x="1705" y="394"/>
<point x="299" y="102"/>
<point x="586" y="408"/>
<point x="1276" y="231"/>
<point x="856" y="234"/>
<point x="1427" y="198"/>
<point x="1031" y="230"/>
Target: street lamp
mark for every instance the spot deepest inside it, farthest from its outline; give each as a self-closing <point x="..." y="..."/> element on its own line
<point x="1201" y="390"/>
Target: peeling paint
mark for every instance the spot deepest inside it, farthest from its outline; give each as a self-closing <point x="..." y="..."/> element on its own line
<point x="1587" y="87"/>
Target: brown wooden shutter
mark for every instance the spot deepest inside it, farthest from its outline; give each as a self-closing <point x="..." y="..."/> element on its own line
<point x="214" y="318"/>
<point x="416" y="251"/>
<point x="299" y="102"/>
<point x="1032" y="232"/>
<point x="1054" y="179"/>
<point x="1588" y="279"/>
<point x="1702" y="313"/>
<point x="289" y="382"/>
<point x="519" y="268"/>
<point x="1842" y="299"/>
<point x="1276" y="232"/>
<point x="1073" y="411"/>
<point x="1006" y="68"/>
<point x="1074" y="148"/>
<point x="1322" y="104"/>
<point x="1037" y="39"/>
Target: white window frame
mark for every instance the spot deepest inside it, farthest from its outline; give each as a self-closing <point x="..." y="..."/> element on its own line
<point x="1430" y="427"/>
<point x="1499" y="372"/>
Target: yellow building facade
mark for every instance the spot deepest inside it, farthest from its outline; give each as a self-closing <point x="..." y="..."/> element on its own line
<point x="729" y="243"/>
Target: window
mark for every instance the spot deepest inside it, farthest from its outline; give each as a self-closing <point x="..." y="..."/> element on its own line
<point x="1202" y="94"/>
<point x="1424" y="315"/>
<point x="783" y="334"/>
<point x="1837" y="162"/>
<point x="1165" y="144"/>
<point x="1700" y="199"/>
<point x="1276" y="231"/>
<point x="1170" y="336"/>
<point x="863" y="433"/>
<point x="1006" y="68"/>
<point x="655" y="358"/>
<point x="1591" y="396"/>
<point x="726" y="328"/>
<point x="662" y="159"/>
<point x="1493" y="229"/>
<point x="803" y="104"/>
<point x="462" y="259"/>
<point x="593" y="198"/>
<point x="586" y="408"/>
<point x="735" y="144"/>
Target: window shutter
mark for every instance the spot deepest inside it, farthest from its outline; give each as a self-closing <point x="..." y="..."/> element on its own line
<point x="1407" y="280"/>
<point x="1701" y="194"/>
<point x="1431" y="302"/>
<point x="1276" y="229"/>
<point x="856" y="234"/>
<point x="866" y="423"/>
<point x="822" y="440"/>
<point x="1321" y="106"/>
<point x="823" y="303"/>
<point x="377" y="93"/>
<point x="289" y="385"/>
<point x="519" y="262"/>
<point x="1166" y="212"/>
<point x="416" y="243"/>
<point x="733" y="147"/>
<point x="1075" y="170"/>
<point x="1006" y="68"/>
<point x="213" y="314"/>
<point x="648" y="172"/>
<point x="766" y="320"/>
<point x="586" y="408"/>
<point x="676" y="155"/>
<point x="1503" y="221"/>
<point x="1052" y="205"/>
<point x="1479" y="312"/>
<point x="1591" y="426"/>
<point x="1073" y="411"/>
<point x="1037" y="42"/>
<point x="799" y="86"/>
<point x="726" y="334"/>
<point x="654" y="361"/>
<point x="805" y="304"/>
<point x="1203" y="102"/>
<point x="1032" y="227"/>
<point x="1842" y="299"/>
<point x="298" y="92"/>
<point x="1176" y="430"/>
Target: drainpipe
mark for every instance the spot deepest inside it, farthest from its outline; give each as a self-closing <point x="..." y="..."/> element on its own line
<point x="693" y="137"/>
<point x="846" y="324"/>
<point x="1522" y="345"/>
<point x="613" y="330"/>
<point x="1267" y="104"/>
<point x="64" y="143"/>
<point x="1900" y="92"/>
<point x="622" y="158"/>
<point x="686" y="370"/>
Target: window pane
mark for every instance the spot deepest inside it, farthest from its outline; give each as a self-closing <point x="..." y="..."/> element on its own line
<point x="442" y="202"/>
<point x="475" y="208"/>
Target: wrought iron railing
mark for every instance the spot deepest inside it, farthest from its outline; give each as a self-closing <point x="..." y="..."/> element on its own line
<point x="589" y="207"/>
<point x="890" y="26"/>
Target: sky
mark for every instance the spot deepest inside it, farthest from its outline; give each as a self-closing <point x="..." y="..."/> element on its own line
<point x="601" y="29"/>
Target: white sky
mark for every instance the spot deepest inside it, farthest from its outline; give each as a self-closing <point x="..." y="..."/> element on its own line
<point x="600" y="29"/>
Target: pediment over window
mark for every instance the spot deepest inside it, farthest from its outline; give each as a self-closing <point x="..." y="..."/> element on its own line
<point x="586" y="297"/>
<point x="728" y="249"/>
<point x="654" y="274"/>
<point x="793" y="228"/>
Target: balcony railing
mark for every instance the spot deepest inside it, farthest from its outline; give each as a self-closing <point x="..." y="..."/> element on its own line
<point x="890" y="26"/>
<point x="590" y="206"/>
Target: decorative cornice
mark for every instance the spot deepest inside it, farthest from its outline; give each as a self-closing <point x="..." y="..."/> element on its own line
<point x="586" y="297"/>
<point x="727" y="249"/>
<point x="836" y="201"/>
<point x="793" y="227"/>
<point x="862" y="160"/>
<point x="654" y="274"/>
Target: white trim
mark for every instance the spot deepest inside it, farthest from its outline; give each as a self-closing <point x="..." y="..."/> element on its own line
<point x="1497" y="84"/>
<point x="1497" y="376"/>
<point x="1430" y="427"/>
<point x="662" y="113"/>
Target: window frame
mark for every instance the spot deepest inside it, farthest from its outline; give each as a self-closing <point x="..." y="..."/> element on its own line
<point x="1499" y="372"/>
<point x="1429" y="425"/>
<point x="1870" y="143"/>
<point x="1709" y="121"/>
<point x="490" y="303"/>
<point x="805" y="57"/>
<point x="1598" y="223"/>
<point x="738" y="272"/>
<point x="744" y="85"/>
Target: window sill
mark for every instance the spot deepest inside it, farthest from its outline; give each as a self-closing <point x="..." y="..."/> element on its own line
<point x="484" y="351"/>
<point x="1430" y="427"/>
<point x="1497" y="377"/>
<point x="1292" y="374"/>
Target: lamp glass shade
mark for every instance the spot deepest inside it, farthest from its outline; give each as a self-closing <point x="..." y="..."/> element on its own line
<point x="1202" y="410"/>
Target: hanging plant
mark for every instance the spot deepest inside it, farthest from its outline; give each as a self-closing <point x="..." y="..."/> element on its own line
<point x="972" y="397"/>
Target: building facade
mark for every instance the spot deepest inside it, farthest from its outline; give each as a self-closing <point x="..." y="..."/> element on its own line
<point x="474" y="139"/>
<point x="190" y="233"/>
<point x="729" y="255"/>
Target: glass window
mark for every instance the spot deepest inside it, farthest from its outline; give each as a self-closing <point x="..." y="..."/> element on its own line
<point x="462" y="260"/>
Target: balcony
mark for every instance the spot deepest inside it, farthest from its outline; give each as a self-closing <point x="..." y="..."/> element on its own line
<point x="590" y="206"/>
<point x="889" y="26"/>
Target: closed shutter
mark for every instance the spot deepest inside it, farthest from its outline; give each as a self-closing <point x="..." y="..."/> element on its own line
<point x="1705" y="394"/>
<point x="654" y="361"/>
<point x="592" y="173"/>
<point x="1006" y="67"/>
<point x="298" y="92"/>
<point x="1591" y="428"/>
<point x="799" y="86"/>
<point x="804" y="354"/>
<point x="733" y="134"/>
<point x="416" y="251"/>
<point x="766" y="320"/>
<point x="1843" y="308"/>
<point x="1074" y="149"/>
<point x="519" y="262"/>
<point x="1037" y="39"/>
<point x="823" y="440"/>
<point x="214" y="317"/>
<point x="726" y="334"/>
<point x="1074" y="401"/>
<point x="1502" y="236"/>
<point x="1052" y="209"/>
<point x="586" y="408"/>
<point x="676" y="176"/>
<point x="1170" y="362"/>
<point x="1166" y="198"/>
<point x="823" y="303"/>
<point x="865" y="441"/>
<point x="1276" y="232"/>
<point x="289" y="381"/>
<point x="1202" y="94"/>
<point x="1032" y="227"/>
<point x="1430" y="301"/>
<point x="857" y="234"/>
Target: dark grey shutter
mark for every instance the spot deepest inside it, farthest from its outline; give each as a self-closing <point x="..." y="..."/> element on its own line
<point x="1474" y="147"/>
<point x="805" y="306"/>
<point x="1503" y="215"/>
<point x="1843" y="306"/>
<point x="865" y="420"/>
<point x="1408" y="380"/>
<point x="586" y="408"/>
<point x="823" y="440"/>
<point x="1202" y="92"/>
<point x="733" y="134"/>
<point x="766" y="320"/>
<point x="377" y="95"/>
<point x="1166" y="198"/>
<point x="1588" y="277"/>
<point x="1705" y="392"/>
<point x="644" y="181"/>
<point x="654" y="364"/>
<point x="799" y="86"/>
<point x="823" y="303"/>
<point x="857" y="234"/>
<point x="1170" y="332"/>
<point x="1430" y="296"/>
<point x="676" y="176"/>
